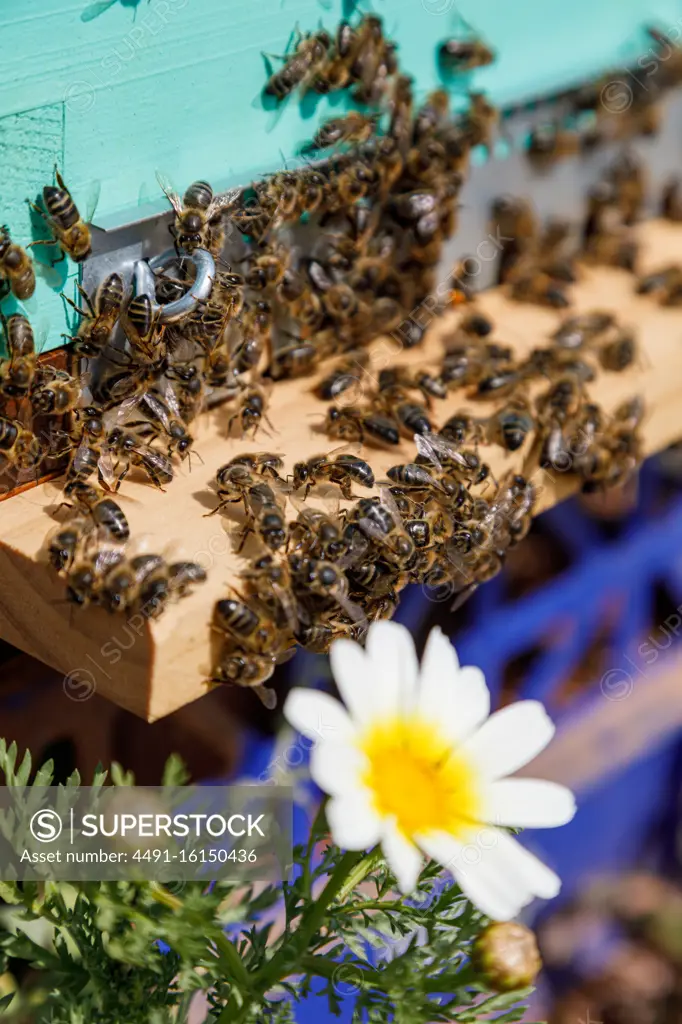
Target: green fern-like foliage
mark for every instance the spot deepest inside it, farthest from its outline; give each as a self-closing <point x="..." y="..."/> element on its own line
<point x="140" y="953"/>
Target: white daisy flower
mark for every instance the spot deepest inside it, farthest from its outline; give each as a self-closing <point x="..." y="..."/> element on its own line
<point x="416" y="762"/>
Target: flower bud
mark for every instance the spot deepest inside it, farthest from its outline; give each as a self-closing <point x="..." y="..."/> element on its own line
<point x="507" y="955"/>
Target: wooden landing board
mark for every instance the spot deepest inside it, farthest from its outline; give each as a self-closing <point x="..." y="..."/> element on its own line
<point x="154" y="669"/>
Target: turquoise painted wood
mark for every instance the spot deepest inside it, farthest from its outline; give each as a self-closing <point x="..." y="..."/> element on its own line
<point x="115" y="89"/>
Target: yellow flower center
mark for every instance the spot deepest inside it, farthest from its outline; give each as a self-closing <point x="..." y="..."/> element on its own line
<point x="415" y="775"/>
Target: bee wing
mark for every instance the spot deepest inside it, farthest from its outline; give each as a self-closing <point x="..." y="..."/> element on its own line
<point x="94" y="10"/>
<point x="352" y="610"/>
<point x="223" y="201"/>
<point x="266" y="695"/>
<point x="124" y="409"/>
<point x="287" y="601"/>
<point x="105" y="466"/>
<point x="358" y="549"/>
<point x="90" y="200"/>
<point x="344" y="449"/>
<point x="107" y="557"/>
<point x="170" y="398"/>
<point x="172" y="196"/>
<point x="388" y="500"/>
<point x="433" y="445"/>
<point x="372" y="530"/>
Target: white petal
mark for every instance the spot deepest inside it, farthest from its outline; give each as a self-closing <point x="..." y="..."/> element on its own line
<point x="337" y="767"/>
<point x="476" y="875"/>
<point x="318" y="716"/>
<point x="522" y="865"/>
<point x="473" y="700"/>
<point x="457" y="699"/>
<point x="353" y="676"/>
<point x="510" y="738"/>
<point x="395" y="669"/>
<point x="353" y="823"/>
<point x="529" y="803"/>
<point x="404" y="858"/>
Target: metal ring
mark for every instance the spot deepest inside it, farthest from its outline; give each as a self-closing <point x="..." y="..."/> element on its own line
<point x="144" y="283"/>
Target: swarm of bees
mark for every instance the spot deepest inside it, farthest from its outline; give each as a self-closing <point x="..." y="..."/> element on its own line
<point x="442" y="520"/>
<point x="378" y="211"/>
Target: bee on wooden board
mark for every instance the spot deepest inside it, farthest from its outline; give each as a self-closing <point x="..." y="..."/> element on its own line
<point x="338" y="467"/>
<point x="105" y="512"/>
<point x="70" y="232"/>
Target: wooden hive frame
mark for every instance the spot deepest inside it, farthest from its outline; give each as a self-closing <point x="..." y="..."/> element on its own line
<point x="153" y="668"/>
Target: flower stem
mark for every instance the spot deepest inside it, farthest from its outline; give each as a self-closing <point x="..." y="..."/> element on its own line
<point x="250" y="988"/>
<point x="363" y="868"/>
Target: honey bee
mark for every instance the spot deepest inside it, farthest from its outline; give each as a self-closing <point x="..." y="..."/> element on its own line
<point x="621" y="352"/>
<point x="346" y="374"/>
<point x="262" y="463"/>
<point x="65" y="542"/>
<point x="317" y="534"/>
<point x="163" y="418"/>
<point x="549" y="143"/>
<point x="105" y="512"/>
<point x="511" y="425"/>
<point x="69" y="230"/>
<point x="16" y="267"/>
<point x="579" y="331"/>
<point x="372" y="61"/>
<point x="300" y="67"/>
<point x="412" y="418"/>
<point x="127" y="448"/>
<point x="319" y="579"/>
<point x="412" y="476"/>
<point x="19" y="446"/>
<point x="234" y="481"/>
<point x="665" y="285"/>
<point x="529" y="284"/>
<point x="142" y="328"/>
<point x="265" y="516"/>
<point x="334" y="73"/>
<point x="98" y="318"/>
<point x="343" y="469"/>
<point x="295" y="360"/>
<point x="189" y="387"/>
<point x="460" y="55"/>
<point x="252" y="629"/>
<point x="124" y="583"/>
<point x="249" y="409"/>
<point x="58" y="396"/>
<point x="354" y="127"/>
<point x="397" y="376"/>
<point x="268" y="582"/>
<point x="380" y="520"/>
<point x="88" y="571"/>
<point x="199" y="215"/>
<point x="88" y="456"/>
<point x="479" y="121"/>
<point x="618" y="452"/>
<point x="237" y="667"/>
<point x="267" y="267"/>
<point x="358" y="425"/>
<point x="18" y="372"/>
